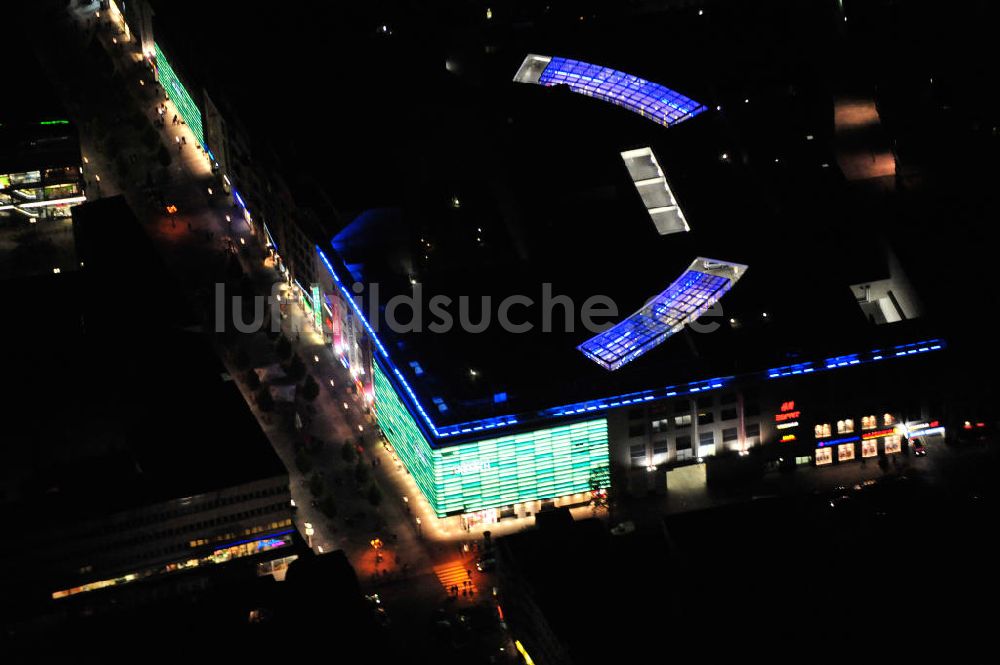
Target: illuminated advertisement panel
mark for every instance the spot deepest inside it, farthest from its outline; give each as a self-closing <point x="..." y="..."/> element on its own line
<point x="186" y="106"/>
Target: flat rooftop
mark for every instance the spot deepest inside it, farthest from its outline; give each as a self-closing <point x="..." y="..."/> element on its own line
<point x="543" y="196"/>
<point x="120" y="403"/>
<point x="28" y="96"/>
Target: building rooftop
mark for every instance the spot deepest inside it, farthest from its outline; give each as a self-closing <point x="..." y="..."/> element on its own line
<point x="28" y="98"/>
<point x="569" y="571"/>
<point x="122" y="403"/>
<point x="549" y="201"/>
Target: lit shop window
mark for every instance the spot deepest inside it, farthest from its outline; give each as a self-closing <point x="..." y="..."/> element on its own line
<point x="824" y="456"/>
<point x="888" y="420"/>
<point x="845" y="426"/>
<point x="869" y="448"/>
<point x="822" y="430"/>
<point x="869" y="422"/>
<point x="682" y="421"/>
<point x="893" y="444"/>
<point x="845" y="452"/>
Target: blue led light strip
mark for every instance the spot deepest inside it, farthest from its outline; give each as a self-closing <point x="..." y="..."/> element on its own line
<point x="378" y="343"/>
<point x="650" y="100"/>
<point x="824" y="443"/>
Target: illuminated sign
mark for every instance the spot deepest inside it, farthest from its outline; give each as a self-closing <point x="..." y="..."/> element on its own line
<point x="466" y="468"/>
<point x="317" y="310"/>
<point x="787" y="418"/>
<point x="787" y="438"/>
<point x="882" y="432"/>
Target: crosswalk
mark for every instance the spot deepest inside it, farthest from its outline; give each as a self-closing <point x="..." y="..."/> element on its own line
<point x="453" y="574"/>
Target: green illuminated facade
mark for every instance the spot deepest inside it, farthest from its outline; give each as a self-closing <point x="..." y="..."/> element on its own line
<point x="540" y="464"/>
<point x="186" y="106"/>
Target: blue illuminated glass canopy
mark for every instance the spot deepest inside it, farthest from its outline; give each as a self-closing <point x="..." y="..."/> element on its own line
<point x="687" y="298"/>
<point x="648" y="99"/>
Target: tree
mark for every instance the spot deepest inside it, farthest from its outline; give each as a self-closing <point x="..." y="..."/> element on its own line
<point x="283" y="348"/>
<point x="374" y="495"/>
<point x="150" y="138"/>
<point x="163" y="156"/>
<point x="361" y="472"/>
<point x="328" y="506"/>
<point x="296" y="368"/>
<point x="302" y="461"/>
<point x="264" y="400"/>
<point x="315" y="445"/>
<point x="600" y="484"/>
<point x="253" y="381"/>
<point x="310" y="389"/>
<point x="347" y="452"/>
<point x="316" y="485"/>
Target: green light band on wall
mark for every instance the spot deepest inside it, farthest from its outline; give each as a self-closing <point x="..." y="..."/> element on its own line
<point x="541" y="464"/>
<point x="406" y="438"/>
<point x="185" y="104"/>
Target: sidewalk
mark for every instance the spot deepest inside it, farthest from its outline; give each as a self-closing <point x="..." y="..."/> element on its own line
<point x="194" y="243"/>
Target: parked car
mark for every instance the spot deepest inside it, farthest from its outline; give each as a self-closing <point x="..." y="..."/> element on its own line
<point x="623" y="528"/>
<point x="486" y="563"/>
<point x="918" y="447"/>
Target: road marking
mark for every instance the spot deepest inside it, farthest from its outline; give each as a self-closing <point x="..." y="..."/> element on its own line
<point x="452" y="574"/>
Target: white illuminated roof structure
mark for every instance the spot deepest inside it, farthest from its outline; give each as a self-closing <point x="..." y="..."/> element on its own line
<point x="650" y="100"/>
<point x="652" y="186"/>
<point x="687" y="298"/>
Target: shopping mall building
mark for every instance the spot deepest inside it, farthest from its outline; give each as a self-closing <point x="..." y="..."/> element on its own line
<point x="753" y="308"/>
<point x="765" y="346"/>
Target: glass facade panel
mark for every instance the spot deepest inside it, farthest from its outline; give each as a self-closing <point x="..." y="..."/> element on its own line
<point x="186" y="106"/>
<point x="650" y="100"/>
<point x="540" y="464"/>
<point x="683" y="301"/>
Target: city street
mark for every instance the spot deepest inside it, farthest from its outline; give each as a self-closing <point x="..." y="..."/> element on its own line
<point x="198" y="242"/>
